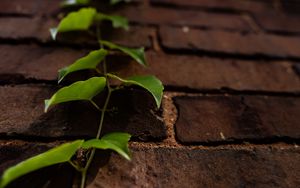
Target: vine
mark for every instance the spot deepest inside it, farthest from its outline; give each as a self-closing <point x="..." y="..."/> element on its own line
<point x="82" y="20"/>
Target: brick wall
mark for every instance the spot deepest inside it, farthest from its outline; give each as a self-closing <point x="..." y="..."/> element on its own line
<point x="230" y="113"/>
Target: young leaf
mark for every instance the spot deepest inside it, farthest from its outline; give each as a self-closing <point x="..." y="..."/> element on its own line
<point x="137" y="54"/>
<point x="81" y="90"/>
<point x="75" y="2"/>
<point x="60" y="154"/>
<point x="88" y="62"/>
<point x="117" y="21"/>
<point x="114" y="141"/>
<point x="150" y="83"/>
<point x="80" y="20"/>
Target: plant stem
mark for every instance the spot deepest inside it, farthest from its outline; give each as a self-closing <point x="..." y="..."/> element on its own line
<point x="85" y="169"/>
<point x="83" y="178"/>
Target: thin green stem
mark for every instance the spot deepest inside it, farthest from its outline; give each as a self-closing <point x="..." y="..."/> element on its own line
<point x="84" y="171"/>
<point x="75" y="166"/>
<point x="95" y="105"/>
<point x="83" y="178"/>
<point x="103" y="110"/>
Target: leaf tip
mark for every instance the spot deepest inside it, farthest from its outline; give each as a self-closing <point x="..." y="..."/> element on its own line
<point x="53" y="32"/>
<point x="61" y="74"/>
<point x="47" y="105"/>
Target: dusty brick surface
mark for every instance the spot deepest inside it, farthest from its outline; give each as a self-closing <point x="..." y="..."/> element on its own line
<point x="231" y="43"/>
<point x="164" y="16"/>
<point x="22" y="114"/>
<point x="173" y="167"/>
<point x="275" y="22"/>
<point x="42" y="63"/>
<point x="35" y="62"/>
<point x="38" y="30"/>
<point x="228" y="118"/>
<point x="213" y="73"/>
<point x="29" y="7"/>
<point x="160" y="167"/>
<point x="229" y="5"/>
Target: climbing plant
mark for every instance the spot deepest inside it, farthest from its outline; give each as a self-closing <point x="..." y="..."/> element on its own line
<point x="83" y="20"/>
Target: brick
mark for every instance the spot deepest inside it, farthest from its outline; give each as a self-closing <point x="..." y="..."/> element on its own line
<point x="37" y="29"/>
<point x="290" y="6"/>
<point x="13" y="152"/>
<point x="275" y="22"/>
<point x="35" y="62"/>
<point x="22" y="115"/>
<point x="164" y="16"/>
<point x="258" y="166"/>
<point x="203" y="73"/>
<point x="229" y="5"/>
<point x="207" y="119"/>
<point x="42" y="63"/>
<point x="230" y="42"/>
<point x="212" y="73"/>
<point x="29" y="7"/>
<point x="182" y="167"/>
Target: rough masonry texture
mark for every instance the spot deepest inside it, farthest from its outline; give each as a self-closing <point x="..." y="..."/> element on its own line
<point x="231" y="111"/>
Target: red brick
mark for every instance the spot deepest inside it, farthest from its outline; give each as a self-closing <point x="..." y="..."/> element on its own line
<point x="212" y="73"/>
<point x="29" y="7"/>
<point x="230" y="42"/>
<point x="13" y="152"/>
<point x="42" y="63"/>
<point x="35" y="62"/>
<point x="259" y="166"/>
<point x="245" y="5"/>
<point x="275" y="22"/>
<point x="182" y="167"/>
<point x="38" y="29"/>
<point x="22" y="115"/>
<point x="29" y="28"/>
<point x="227" y="118"/>
<point x="164" y="16"/>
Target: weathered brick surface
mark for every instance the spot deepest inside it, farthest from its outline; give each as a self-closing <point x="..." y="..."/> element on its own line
<point x="22" y="114"/>
<point x="227" y="118"/>
<point x="160" y="167"/>
<point x="245" y="5"/>
<point x="32" y="61"/>
<point x="42" y="63"/>
<point x="230" y="43"/>
<point x="29" y="7"/>
<point x="213" y="73"/>
<point x="198" y="46"/>
<point x="164" y="16"/>
<point x="173" y="167"/>
<point x="275" y="22"/>
<point x="13" y="152"/>
<point x="38" y="29"/>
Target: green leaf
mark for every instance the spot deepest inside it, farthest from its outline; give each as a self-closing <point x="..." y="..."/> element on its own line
<point x="88" y="62"/>
<point x="117" y="21"/>
<point x="75" y="21"/>
<point x="75" y="2"/>
<point x="137" y="54"/>
<point x="60" y="154"/>
<point x="82" y="90"/>
<point x="114" y="141"/>
<point x="149" y="82"/>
